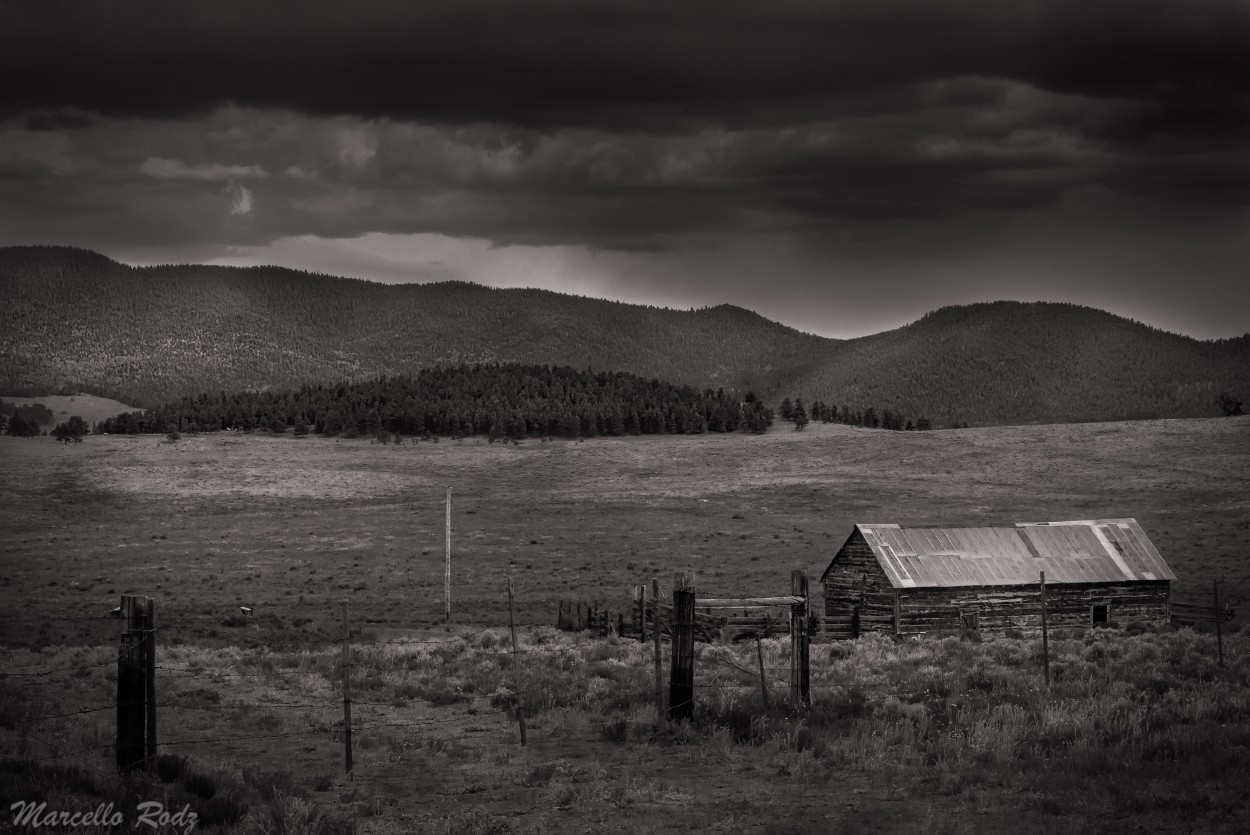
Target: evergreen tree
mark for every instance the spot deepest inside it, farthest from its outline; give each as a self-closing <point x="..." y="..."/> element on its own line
<point x="71" y="430"/>
<point x="799" y="415"/>
<point x="20" y="427"/>
<point x="787" y="409"/>
<point x="1229" y="405"/>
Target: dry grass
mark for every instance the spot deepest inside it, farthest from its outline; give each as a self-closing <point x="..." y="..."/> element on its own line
<point x="1140" y="731"/>
<point x="1137" y="730"/>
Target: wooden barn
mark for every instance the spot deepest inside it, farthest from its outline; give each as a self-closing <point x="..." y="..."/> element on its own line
<point x="908" y="580"/>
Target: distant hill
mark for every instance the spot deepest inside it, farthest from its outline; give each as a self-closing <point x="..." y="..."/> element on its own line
<point x="73" y="319"/>
<point x="1014" y="362"/>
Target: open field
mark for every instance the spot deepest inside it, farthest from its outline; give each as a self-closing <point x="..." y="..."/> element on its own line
<point x="291" y="526"/>
<point x="1141" y="732"/>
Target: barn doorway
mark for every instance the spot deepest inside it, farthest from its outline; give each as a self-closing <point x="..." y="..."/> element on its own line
<point x="855" y="622"/>
<point x="1098" y="614"/>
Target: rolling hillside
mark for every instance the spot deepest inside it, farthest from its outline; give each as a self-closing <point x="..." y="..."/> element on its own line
<point x="74" y="319"/>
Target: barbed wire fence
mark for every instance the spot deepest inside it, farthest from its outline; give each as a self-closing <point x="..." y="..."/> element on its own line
<point x="678" y="679"/>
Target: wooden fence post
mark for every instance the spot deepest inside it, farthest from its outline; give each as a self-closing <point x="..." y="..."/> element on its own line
<point x="640" y="595"/>
<point x="149" y="689"/>
<point x="1045" y="636"/>
<point x="520" y="705"/>
<point x="131" y="687"/>
<point x="447" y="575"/>
<point x="659" y="674"/>
<point x="759" y="654"/>
<point x="681" y="678"/>
<point x="800" y="674"/>
<point x="347" y="691"/>
<point x="1219" y="630"/>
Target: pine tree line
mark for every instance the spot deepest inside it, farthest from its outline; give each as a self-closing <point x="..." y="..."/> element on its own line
<point x="500" y="400"/>
<point x="795" y="412"/>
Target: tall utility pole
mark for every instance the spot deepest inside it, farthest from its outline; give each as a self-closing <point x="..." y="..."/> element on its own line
<point x="447" y="574"/>
<point x="1045" y="638"/>
<point x="1219" y="632"/>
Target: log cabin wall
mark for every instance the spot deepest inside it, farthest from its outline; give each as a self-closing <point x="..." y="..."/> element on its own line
<point x="997" y="609"/>
<point x="858" y="595"/>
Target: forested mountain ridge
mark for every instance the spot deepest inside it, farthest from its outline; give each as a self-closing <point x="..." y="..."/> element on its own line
<point x="72" y="318"/>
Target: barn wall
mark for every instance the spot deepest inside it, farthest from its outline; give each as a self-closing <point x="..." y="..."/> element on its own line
<point x="1019" y="607"/>
<point x="856" y="581"/>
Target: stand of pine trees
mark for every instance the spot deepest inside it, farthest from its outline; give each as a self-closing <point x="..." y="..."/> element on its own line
<point x="869" y="418"/>
<point x="508" y="400"/>
<point x="24" y="421"/>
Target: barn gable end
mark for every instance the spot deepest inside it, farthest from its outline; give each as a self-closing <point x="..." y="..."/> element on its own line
<point x="859" y="597"/>
<point x="909" y="580"/>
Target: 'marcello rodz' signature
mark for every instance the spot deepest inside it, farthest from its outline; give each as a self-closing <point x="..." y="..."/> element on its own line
<point x="149" y="813"/>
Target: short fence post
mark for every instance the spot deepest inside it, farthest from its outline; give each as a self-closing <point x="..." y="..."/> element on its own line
<point x="149" y="690"/>
<point x="759" y="654"/>
<point x="347" y="691"/>
<point x="520" y="705"/>
<point x="1219" y="630"/>
<point x="800" y="675"/>
<point x="1045" y="636"/>
<point x="659" y="674"/>
<point x="681" y="679"/>
<point x="131" y="686"/>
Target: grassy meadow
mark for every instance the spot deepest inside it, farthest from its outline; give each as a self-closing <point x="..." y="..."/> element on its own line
<point x="1139" y="731"/>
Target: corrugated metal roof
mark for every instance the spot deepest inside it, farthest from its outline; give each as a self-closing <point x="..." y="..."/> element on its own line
<point x="1086" y="551"/>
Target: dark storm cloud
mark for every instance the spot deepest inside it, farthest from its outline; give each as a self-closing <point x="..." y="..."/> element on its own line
<point x="871" y="137"/>
<point x="629" y="124"/>
<point x="642" y="65"/>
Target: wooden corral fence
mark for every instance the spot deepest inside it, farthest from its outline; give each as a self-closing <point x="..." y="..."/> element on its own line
<point x="716" y="620"/>
<point x="723" y="620"/>
<point x="688" y="619"/>
<point x="576" y="617"/>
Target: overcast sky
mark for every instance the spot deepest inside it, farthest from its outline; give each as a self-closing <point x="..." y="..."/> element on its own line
<point x="842" y="167"/>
